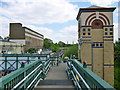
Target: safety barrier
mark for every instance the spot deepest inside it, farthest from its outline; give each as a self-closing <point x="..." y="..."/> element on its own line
<point x="26" y="77"/>
<point x="11" y="62"/>
<point x="55" y="60"/>
<point x="83" y="78"/>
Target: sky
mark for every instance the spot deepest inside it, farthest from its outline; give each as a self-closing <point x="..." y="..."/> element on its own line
<point x="55" y="19"/>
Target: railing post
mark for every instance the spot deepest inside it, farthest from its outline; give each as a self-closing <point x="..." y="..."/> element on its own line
<point x="28" y="60"/>
<point x="16" y="62"/>
<point x="5" y="62"/>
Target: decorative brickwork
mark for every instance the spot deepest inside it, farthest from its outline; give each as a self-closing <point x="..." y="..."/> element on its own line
<point x="97" y="24"/>
<point x="96" y="41"/>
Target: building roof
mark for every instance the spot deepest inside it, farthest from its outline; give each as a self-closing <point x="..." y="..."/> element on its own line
<point x="7" y="41"/>
<point x="94" y="8"/>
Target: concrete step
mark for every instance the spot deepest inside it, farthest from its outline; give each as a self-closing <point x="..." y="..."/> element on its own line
<point x="56" y="85"/>
<point x="55" y="82"/>
<point x="56" y="79"/>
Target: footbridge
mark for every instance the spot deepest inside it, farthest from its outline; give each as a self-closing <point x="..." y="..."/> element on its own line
<point x="48" y="72"/>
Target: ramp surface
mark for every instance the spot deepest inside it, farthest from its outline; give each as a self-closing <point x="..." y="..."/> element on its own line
<point x="56" y="79"/>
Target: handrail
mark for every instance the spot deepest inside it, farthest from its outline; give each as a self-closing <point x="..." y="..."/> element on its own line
<point x="79" y="87"/>
<point x="87" y="86"/>
<point x="89" y="79"/>
<point x="26" y="77"/>
<point x="34" y="79"/>
<point x="12" y="62"/>
<point x="23" y="55"/>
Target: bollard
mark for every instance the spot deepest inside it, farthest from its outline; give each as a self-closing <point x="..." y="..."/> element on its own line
<point x="84" y="64"/>
<point x="23" y="64"/>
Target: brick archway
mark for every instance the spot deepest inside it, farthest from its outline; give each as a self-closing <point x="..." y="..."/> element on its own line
<point x="97" y="24"/>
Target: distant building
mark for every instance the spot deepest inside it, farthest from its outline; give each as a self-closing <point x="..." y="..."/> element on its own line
<point x="9" y="47"/>
<point x="29" y="38"/>
<point x="95" y="36"/>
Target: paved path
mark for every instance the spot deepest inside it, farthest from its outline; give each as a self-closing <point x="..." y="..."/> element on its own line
<point x="56" y="79"/>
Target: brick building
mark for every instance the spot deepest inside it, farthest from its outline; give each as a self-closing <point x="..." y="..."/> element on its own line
<point x="95" y="36"/>
<point x="29" y="38"/>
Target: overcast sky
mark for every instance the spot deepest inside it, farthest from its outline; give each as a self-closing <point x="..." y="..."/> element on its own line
<point x="55" y="19"/>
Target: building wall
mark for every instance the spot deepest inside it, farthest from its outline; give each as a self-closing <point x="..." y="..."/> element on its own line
<point x="33" y="43"/>
<point x="23" y="35"/>
<point x="95" y="46"/>
<point x="16" y="31"/>
<point x="12" y="48"/>
<point x="33" y="40"/>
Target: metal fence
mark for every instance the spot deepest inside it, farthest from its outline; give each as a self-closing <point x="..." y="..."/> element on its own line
<point x="83" y="78"/>
<point x="11" y="62"/>
<point x="26" y="77"/>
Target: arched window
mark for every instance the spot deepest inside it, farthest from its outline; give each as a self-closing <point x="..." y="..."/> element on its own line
<point x="97" y="24"/>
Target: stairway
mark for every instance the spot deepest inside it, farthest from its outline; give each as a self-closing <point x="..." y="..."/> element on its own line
<point x="56" y="79"/>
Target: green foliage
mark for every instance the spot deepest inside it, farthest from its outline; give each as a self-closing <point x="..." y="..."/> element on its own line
<point x="72" y="50"/>
<point x="116" y="49"/>
<point x="55" y="47"/>
<point x="116" y="75"/>
<point x="32" y="50"/>
<point x="61" y="44"/>
<point x="47" y="43"/>
<point x="117" y="65"/>
<point x="68" y="45"/>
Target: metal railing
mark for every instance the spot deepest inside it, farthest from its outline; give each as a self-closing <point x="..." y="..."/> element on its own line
<point x="27" y="77"/>
<point x="11" y="62"/>
<point x="54" y="60"/>
<point x="83" y="78"/>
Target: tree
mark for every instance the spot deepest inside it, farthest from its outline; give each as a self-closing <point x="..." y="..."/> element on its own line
<point x="32" y="50"/>
<point x="116" y="49"/>
<point x="55" y="47"/>
<point x="73" y="50"/>
<point x="61" y="44"/>
<point x="47" y="43"/>
<point x="117" y="65"/>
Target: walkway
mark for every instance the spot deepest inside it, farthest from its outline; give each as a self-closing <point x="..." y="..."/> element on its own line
<point x="57" y="79"/>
